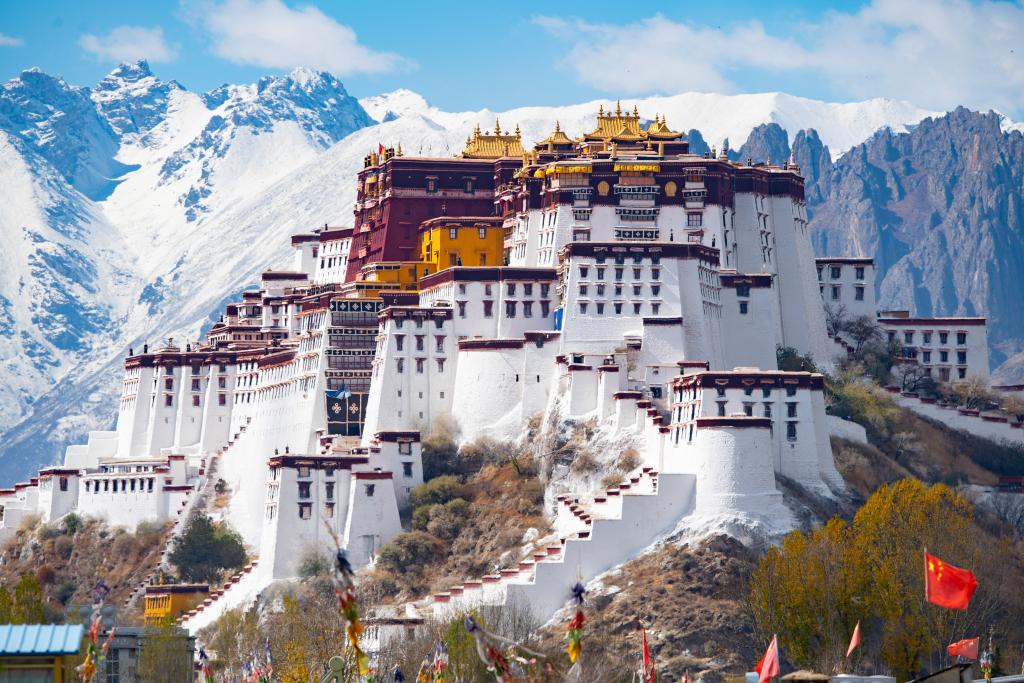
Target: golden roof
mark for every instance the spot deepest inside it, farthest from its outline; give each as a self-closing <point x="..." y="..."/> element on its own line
<point x="494" y="145"/>
<point x="659" y="130"/>
<point x="625" y="127"/>
<point x="556" y="139"/>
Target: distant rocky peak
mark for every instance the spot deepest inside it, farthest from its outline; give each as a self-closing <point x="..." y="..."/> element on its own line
<point x="132" y="99"/>
<point x="767" y="142"/>
<point x="130" y="72"/>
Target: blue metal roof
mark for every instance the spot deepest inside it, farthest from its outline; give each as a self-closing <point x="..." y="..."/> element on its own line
<point x="40" y="639"/>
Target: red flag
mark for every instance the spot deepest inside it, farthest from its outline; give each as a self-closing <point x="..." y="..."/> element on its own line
<point x="686" y="676"/>
<point x="946" y="585"/>
<point x="769" y="664"/>
<point x="380" y="149"/>
<point x="968" y="649"/>
<point x="648" y="664"/>
<point x="854" y="640"/>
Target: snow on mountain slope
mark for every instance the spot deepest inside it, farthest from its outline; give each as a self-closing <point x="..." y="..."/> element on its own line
<point x="717" y="117"/>
<point x="194" y="194"/>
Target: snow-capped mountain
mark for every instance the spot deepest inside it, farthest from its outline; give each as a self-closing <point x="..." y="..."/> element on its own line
<point x="135" y="208"/>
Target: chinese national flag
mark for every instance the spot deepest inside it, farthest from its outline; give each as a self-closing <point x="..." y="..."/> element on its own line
<point x="946" y="585"/>
<point x="380" y="149"/>
<point x="648" y="664"/>
<point x="769" y="664"/>
<point x="968" y="649"/>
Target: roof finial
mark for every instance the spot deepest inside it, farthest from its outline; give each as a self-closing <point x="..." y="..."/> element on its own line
<point x="636" y="113"/>
<point x="558" y="126"/>
<point x="497" y="126"/>
<point x="618" y="108"/>
<point x="398" y="152"/>
<point x="519" y="133"/>
<point x="600" y="110"/>
<point x="476" y="131"/>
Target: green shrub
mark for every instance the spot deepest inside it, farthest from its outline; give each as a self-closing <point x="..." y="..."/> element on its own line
<point x="421" y="516"/>
<point x="73" y="523"/>
<point x="50" y="531"/>
<point x="408" y="553"/>
<point x="437" y="491"/>
<point x="314" y="564"/>
<point x="791" y="360"/>
<point x="64" y="591"/>
<point x="63" y="546"/>
<point x="440" y="450"/>
<point x="149" y="534"/>
<point x="446" y="521"/>
<point x="204" y="550"/>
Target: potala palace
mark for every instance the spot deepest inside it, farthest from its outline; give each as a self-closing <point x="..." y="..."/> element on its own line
<point x="613" y="276"/>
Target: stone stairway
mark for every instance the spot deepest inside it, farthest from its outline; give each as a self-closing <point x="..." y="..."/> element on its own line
<point x="596" y="533"/>
<point x="230" y="594"/>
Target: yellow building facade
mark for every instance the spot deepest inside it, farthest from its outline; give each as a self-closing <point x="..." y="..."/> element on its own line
<point x="168" y="602"/>
<point x="462" y="241"/>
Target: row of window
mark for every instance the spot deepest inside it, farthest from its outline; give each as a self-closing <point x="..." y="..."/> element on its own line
<point x="637" y="273"/>
<point x="197" y="400"/>
<point x="511" y="288"/>
<point x="119" y="485"/>
<point x="836" y="293"/>
<point x="637" y="290"/>
<point x="510" y="308"/>
<point x="835" y="272"/>
<point x="420" y="365"/>
<point x="617" y="306"/>
<point x="926" y="337"/>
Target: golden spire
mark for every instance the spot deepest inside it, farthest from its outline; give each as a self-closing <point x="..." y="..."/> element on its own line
<point x="399" y="151"/>
<point x="519" y="133"/>
<point x="476" y="131"/>
<point x="600" y="110"/>
<point x="558" y="126"/>
<point x="635" y="112"/>
<point x="618" y="108"/>
<point x="497" y="126"/>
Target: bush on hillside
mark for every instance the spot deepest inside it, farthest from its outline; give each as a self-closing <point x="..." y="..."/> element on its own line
<point x="437" y="491"/>
<point x="205" y="550"/>
<point x="407" y="555"/>
<point x="791" y="360"/>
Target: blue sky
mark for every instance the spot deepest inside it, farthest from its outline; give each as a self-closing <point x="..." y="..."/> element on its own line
<point x="460" y="55"/>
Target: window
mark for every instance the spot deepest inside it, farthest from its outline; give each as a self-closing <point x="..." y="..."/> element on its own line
<point x="305" y="510"/>
<point x="636" y="308"/>
<point x="600" y="308"/>
<point x="419" y="342"/>
<point x="195" y="384"/>
<point x="439" y="339"/>
<point x="766" y="392"/>
<point x="487" y="290"/>
<point x="961" y="373"/>
<point x="790" y="391"/>
<point x="748" y="409"/>
<point x="961" y="357"/>
<point x="655" y="273"/>
<point x="721" y="409"/>
<point x="835" y="292"/>
<point x="440" y="368"/>
<point x="304" y="489"/>
<point x="528" y="289"/>
<point x="329" y="509"/>
<point x="927" y="337"/>
<point x="469" y="188"/>
<point x="720" y="391"/>
<point x="545" y="308"/>
<point x="618" y="273"/>
<point x="583" y="290"/>
<point x="304" y="472"/>
<point x="694" y="220"/>
<point x="927" y="357"/>
<point x="63" y="483"/>
<point x="743" y="290"/>
<point x="510" y="309"/>
<point x="835" y="271"/>
<point x="407" y="469"/>
<point x="169" y="384"/>
<point x="329" y="490"/>
<point x="767" y="409"/>
<point x="908" y="337"/>
<point x="618" y="309"/>
<point x="655" y="290"/>
<point x="583" y="307"/>
<point x="510" y="289"/>
<point x="462" y="308"/>
<point x="399" y="341"/>
<point x="943" y="356"/>
<point x="748" y="391"/>
<point x="961" y="338"/>
<point x="169" y="400"/>
<point x="943" y="374"/>
<point x="943" y="337"/>
<point x="419" y="366"/>
<point x="743" y="307"/>
<point x="858" y="293"/>
<point x="858" y="272"/>
<point x="400" y="365"/>
<point x="431" y="184"/>
<point x="195" y="401"/>
<point x="222" y="382"/>
<point x="527" y="309"/>
<point x="790" y="410"/>
<point x="223" y="368"/>
<point x="488" y="309"/>
<point x="583" y="271"/>
<point x="655" y="308"/>
<point x="370" y="488"/>
<point x="791" y="431"/>
<point x="636" y="273"/>
<point x="600" y="273"/>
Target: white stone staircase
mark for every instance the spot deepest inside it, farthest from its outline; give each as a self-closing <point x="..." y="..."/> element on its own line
<point x="595" y="534"/>
<point x="238" y="590"/>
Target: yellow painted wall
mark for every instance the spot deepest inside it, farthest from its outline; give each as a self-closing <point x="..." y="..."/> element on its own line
<point x="464" y="245"/>
<point x="161" y="606"/>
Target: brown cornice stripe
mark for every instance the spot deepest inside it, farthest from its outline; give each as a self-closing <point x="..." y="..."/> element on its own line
<point x="844" y="261"/>
<point x="662" y="249"/>
<point x="739" y="380"/>
<point x="394" y="437"/>
<point x="490" y="344"/>
<point x="486" y="274"/>
<point x="733" y="279"/>
<point x="316" y="462"/>
<point x="735" y="421"/>
<point x="941" y="322"/>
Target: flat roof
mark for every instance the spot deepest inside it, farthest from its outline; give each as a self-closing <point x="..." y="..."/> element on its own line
<point x="18" y="640"/>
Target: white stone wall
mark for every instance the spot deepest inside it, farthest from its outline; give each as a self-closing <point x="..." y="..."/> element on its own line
<point x="749" y="332"/>
<point x="936" y="344"/>
<point x="840" y="285"/>
<point x="988" y="426"/>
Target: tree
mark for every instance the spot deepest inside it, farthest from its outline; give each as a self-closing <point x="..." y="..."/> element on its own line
<point x="836" y="318"/>
<point x="6" y="606"/>
<point x="863" y="330"/>
<point x="1013" y="405"/>
<point x="28" y="601"/>
<point x="791" y="360"/>
<point x="205" y="550"/>
<point x="440" y="449"/>
<point x="914" y="377"/>
<point x="972" y="392"/>
<point x="165" y="656"/>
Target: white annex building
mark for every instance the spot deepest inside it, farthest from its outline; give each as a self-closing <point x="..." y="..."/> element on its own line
<point x="630" y="282"/>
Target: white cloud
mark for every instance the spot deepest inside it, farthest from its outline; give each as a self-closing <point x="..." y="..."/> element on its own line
<point x="129" y="43"/>
<point x="935" y="53"/>
<point x="10" y="41"/>
<point x="270" y="34"/>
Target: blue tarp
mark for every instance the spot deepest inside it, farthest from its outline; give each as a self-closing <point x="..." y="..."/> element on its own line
<point x="40" y="639"/>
